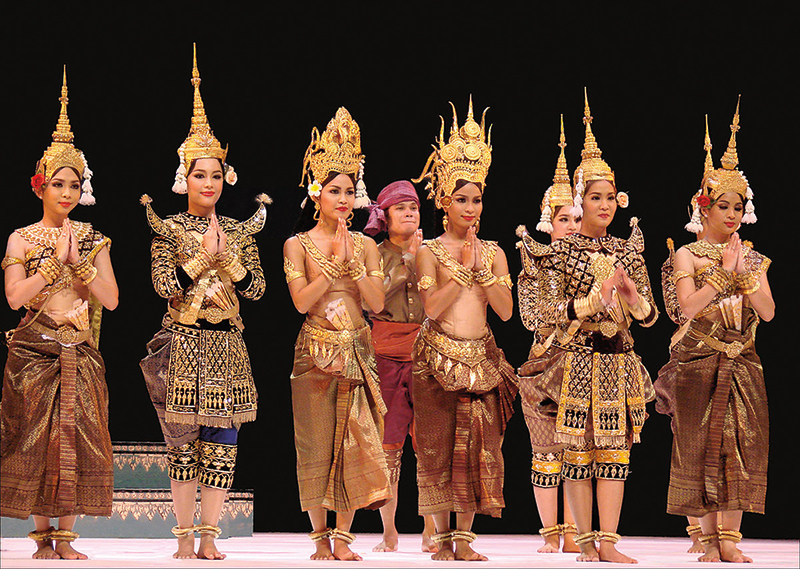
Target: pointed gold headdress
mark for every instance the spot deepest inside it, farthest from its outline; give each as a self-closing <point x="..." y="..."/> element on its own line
<point x="719" y="181"/>
<point x="558" y="194"/>
<point x="465" y="156"/>
<point x="592" y="166"/>
<point x="62" y="153"/>
<point x="201" y="142"/>
<point x="338" y="149"/>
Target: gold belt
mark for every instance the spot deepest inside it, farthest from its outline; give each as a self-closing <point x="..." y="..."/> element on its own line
<point x="730" y="349"/>
<point x="607" y="328"/>
<point x="211" y="314"/>
<point x="66" y="335"/>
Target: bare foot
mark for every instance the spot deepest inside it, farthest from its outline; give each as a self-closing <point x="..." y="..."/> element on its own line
<point x="428" y="545"/>
<point x="64" y="550"/>
<point x="342" y="551"/>
<point x="208" y="549"/>
<point x="44" y="550"/>
<point x="445" y="552"/>
<point x="732" y="554"/>
<point x="569" y="545"/>
<point x="389" y="542"/>
<point x="464" y="552"/>
<point x="711" y="553"/>
<point x="588" y="552"/>
<point x="696" y="547"/>
<point x="323" y="552"/>
<point x="608" y="552"/>
<point x="185" y="548"/>
<point x="551" y="543"/>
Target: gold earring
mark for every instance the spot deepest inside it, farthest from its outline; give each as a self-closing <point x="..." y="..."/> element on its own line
<point x="350" y="218"/>
<point x="445" y="221"/>
<point x="477" y="225"/>
<point x="316" y="211"/>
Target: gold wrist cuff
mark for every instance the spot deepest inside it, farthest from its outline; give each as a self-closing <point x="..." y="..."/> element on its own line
<point x="356" y="270"/>
<point x="233" y="267"/>
<point x="195" y="266"/>
<point x="51" y="268"/>
<point x="721" y="280"/>
<point x="426" y="282"/>
<point x="588" y="305"/>
<point x="640" y="309"/>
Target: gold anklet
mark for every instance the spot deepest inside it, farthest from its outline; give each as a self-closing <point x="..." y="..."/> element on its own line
<point x="443" y="536"/>
<point x="463" y="535"/>
<point x="607" y="536"/>
<point x="730" y="535"/>
<point x="178" y="531"/>
<point x="551" y="530"/>
<point x="320" y="535"/>
<point x="345" y="536"/>
<point x="587" y="537"/>
<point x="207" y="529"/>
<point x="64" y="535"/>
<point x="44" y="535"/>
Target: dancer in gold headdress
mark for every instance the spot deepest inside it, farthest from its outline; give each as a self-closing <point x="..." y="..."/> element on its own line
<point x="556" y="220"/>
<point x="592" y="286"/>
<point x="56" y="449"/>
<point x="720" y="415"/>
<point x="197" y="369"/>
<point x="336" y="400"/>
<point x="463" y="386"/>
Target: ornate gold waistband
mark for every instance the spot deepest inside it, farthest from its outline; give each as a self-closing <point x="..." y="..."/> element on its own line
<point x="464" y="350"/>
<point x="66" y="335"/>
<point x="332" y="336"/>
<point x="607" y="328"/>
<point x="211" y="314"/>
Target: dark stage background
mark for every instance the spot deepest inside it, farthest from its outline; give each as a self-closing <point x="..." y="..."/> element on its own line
<point x="270" y="76"/>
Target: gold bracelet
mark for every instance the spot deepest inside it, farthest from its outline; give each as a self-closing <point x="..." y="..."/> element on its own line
<point x="640" y="309"/>
<point x="233" y="267"/>
<point x="588" y="305"/>
<point x="505" y="280"/>
<point x="721" y="280"/>
<point x="195" y="266"/>
<point x="748" y="283"/>
<point x="51" y="268"/>
<point x="485" y="277"/>
<point x="92" y="275"/>
<point x="356" y="270"/>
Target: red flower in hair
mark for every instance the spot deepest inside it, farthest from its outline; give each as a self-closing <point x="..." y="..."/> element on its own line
<point x="37" y="181"/>
<point x="703" y="201"/>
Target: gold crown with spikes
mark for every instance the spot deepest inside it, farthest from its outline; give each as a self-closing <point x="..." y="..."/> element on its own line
<point x="592" y="166"/>
<point x="201" y="142"/>
<point x="558" y="194"/>
<point x="338" y="149"/>
<point x="466" y="156"/>
<point x="726" y="179"/>
<point x="62" y="153"/>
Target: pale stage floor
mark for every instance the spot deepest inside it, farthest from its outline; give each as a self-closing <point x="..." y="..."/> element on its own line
<point x="292" y="550"/>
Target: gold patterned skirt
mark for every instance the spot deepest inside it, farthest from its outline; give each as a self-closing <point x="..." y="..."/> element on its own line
<point x="55" y="448"/>
<point x="463" y="396"/>
<point x="721" y="422"/>
<point x="603" y="394"/>
<point x="338" y="421"/>
<point x="198" y="377"/>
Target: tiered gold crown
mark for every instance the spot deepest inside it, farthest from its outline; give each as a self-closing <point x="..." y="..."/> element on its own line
<point x="201" y="142"/>
<point x="465" y="156"/>
<point x="728" y="178"/>
<point x="719" y="181"/>
<point x="560" y="193"/>
<point x="592" y="166"/>
<point x="338" y="149"/>
<point x="62" y="153"/>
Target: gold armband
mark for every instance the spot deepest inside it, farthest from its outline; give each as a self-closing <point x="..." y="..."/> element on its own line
<point x="588" y="305"/>
<point x="291" y="273"/>
<point x="378" y="274"/>
<point x="356" y="270"/>
<point x="426" y="282"/>
<point x="640" y="309"/>
<point x="678" y="275"/>
<point x="8" y="261"/>
<point x="505" y="280"/>
<point x="51" y="268"/>
<point x="747" y="283"/>
<point x="721" y="280"/>
<point x="195" y="266"/>
<point x="231" y="265"/>
<point x="485" y="277"/>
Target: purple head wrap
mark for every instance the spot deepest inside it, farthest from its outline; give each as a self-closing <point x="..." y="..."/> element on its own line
<point x="394" y="193"/>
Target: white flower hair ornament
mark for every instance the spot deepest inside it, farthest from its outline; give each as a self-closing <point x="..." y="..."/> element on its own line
<point x="695" y="224"/>
<point x="179" y="186"/>
<point x="87" y="192"/>
<point x="545" y="224"/>
<point x="362" y="199"/>
<point x="749" y="209"/>
<point x="577" y="208"/>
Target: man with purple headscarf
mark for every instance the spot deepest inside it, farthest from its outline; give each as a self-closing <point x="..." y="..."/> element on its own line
<point x="394" y="330"/>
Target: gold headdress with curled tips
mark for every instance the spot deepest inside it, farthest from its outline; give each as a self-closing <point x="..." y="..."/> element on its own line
<point x="466" y="156"/>
<point x="592" y="167"/>
<point x="558" y="194"/>
<point x="62" y="153"/>
<point x="719" y="181"/>
<point x="338" y="149"/>
<point x="201" y="142"/>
